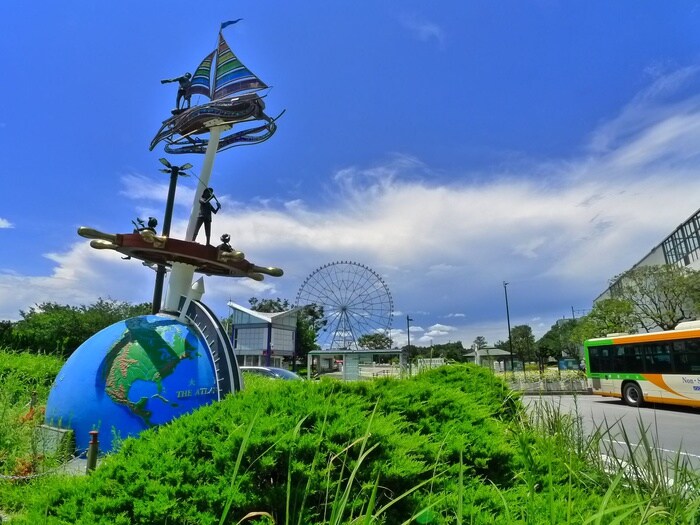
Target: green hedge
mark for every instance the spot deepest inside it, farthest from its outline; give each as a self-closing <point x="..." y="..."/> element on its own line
<point x="445" y="443"/>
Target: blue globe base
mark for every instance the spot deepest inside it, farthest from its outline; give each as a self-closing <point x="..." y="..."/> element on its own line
<point x="131" y="376"/>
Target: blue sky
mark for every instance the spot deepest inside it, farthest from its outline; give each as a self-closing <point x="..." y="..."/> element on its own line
<point x="450" y="146"/>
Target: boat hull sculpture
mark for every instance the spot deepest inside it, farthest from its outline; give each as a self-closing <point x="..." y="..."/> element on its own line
<point x="181" y="131"/>
<point x="156" y="249"/>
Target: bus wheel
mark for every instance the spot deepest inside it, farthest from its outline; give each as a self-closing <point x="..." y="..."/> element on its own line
<point x="632" y="394"/>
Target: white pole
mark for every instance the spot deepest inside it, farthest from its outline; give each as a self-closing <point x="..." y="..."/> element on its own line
<point x="181" y="275"/>
<point x="195" y="294"/>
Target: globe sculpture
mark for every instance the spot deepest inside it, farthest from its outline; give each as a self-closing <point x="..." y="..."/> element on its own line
<point x="133" y="375"/>
<point x="145" y="371"/>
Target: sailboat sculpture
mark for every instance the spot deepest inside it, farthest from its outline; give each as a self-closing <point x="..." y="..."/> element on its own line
<point x="233" y="100"/>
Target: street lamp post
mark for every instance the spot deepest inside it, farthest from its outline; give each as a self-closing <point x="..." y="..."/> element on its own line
<point x="408" y="345"/>
<point x="408" y="332"/>
<point x="174" y="172"/>
<point x="510" y="339"/>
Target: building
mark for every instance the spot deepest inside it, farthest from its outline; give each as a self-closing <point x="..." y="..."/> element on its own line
<point x="491" y="357"/>
<point x="351" y="364"/>
<point x="263" y="339"/>
<point x="681" y="247"/>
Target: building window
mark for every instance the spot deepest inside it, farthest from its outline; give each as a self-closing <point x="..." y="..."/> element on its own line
<point x="250" y="338"/>
<point x="283" y="340"/>
<point x="683" y="242"/>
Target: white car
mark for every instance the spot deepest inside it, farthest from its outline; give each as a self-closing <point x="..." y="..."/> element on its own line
<point x="269" y="371"/>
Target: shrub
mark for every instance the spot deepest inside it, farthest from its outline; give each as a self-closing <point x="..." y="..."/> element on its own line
<point x="448" y="446"/>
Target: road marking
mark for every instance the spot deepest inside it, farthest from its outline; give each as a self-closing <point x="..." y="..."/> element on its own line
<point x="636" y="445"/>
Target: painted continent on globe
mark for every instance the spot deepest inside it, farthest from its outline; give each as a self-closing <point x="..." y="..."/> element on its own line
<point x="132" y="375"/>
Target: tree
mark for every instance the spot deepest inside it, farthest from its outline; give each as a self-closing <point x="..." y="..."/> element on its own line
<point x="662" y="295"/>
<point x="523" y="342"/>
<point x="269" y="305"/>
<point x="309" y="322"/>
<point x="59" y="329"/>
<point x="559" y="341"/>
<point x="502" y="345"/>
<point x="6" y="328"/>
<point x="377" y="341"/>
<point x="450" y="351"/>
<point x="480" y="342"/>
<point x="607" y="316"/>
<point x="414" y="352"/>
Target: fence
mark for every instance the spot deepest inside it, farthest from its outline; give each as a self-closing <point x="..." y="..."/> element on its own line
<point x="551" y="386"/>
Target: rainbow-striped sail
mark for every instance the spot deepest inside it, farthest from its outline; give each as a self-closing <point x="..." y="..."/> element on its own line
<point x="230" y="75"/>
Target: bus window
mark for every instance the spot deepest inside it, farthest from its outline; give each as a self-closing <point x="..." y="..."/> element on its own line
<point x="633" y="359"/>
<point x="599" y="358"/>
<point x="686" y="356"/>
<point x="618" y="359"/>
<point x="658" y="358"/>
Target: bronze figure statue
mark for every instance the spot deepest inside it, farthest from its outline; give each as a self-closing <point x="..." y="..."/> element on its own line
<point x="206" y="208"/>
<point x="185" y="81"/>
<point x="225" y="245"/>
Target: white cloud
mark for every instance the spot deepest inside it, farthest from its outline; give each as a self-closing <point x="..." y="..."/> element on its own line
<point x="4" y="223"/>
<point x="670" y="94"/>
<point x="556" y="231"/>
<point x="141" y="188"/>
<point x="80" y="276"/>
<point x="441" y="328"/>
<point x="423" y="29"/>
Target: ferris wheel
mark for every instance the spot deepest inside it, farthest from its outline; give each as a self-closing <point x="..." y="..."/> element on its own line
<point x="355" y="302"/>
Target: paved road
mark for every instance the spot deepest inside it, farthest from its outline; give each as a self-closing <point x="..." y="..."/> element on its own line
<point x="671" y="429"/>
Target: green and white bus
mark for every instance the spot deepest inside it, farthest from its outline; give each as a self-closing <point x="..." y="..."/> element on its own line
<point x="658" y="367"/>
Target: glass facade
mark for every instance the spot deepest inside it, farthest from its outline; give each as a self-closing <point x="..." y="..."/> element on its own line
<point x="249" y="338"/>
<point x="283" y="340"/>
<point x="682" y="246"/>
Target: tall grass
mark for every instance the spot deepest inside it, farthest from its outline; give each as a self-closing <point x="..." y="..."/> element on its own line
<point x="26" y="380"/>
<point x="671" y="484"/>
<point x="657" y="488"/>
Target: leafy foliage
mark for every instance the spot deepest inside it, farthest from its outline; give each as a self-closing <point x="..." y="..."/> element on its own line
<point x="269" y="305"/>
<point x="662" y="295"/>
<point x="306" y="440"/>
<point x="559" y="341"/>
<point x="57" y="329"/>
<point x="607" y="316"/>
<point x="448" y="446"/>
<point x="452" y="351"/>
<point x="523" y="342"/>
<point x="480" y="342"/>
